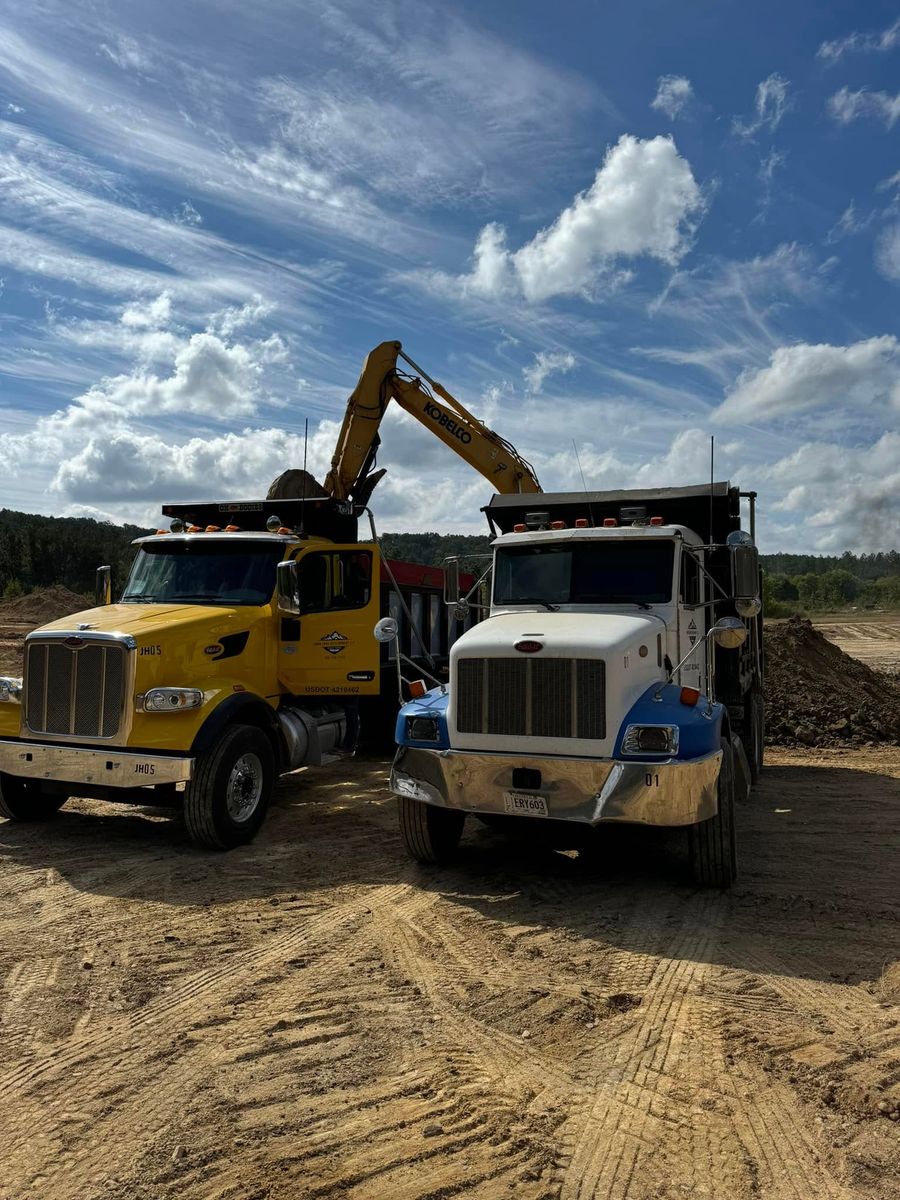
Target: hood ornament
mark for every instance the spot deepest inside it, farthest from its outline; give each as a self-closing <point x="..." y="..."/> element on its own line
<point x="82" y="625"/>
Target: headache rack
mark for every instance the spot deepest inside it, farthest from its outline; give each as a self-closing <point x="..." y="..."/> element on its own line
<point x="318" y="516"/>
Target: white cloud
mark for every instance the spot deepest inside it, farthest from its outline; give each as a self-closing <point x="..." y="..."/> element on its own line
<point x="151" y="314"/>
<point x="847" y="496"/>
<point x="545" y="363"/>
<point x="848" y="224"/>
<point x="673" y="95"/>
<point x="887" y="252"/>
<point x="767" y="168"/>
<point x="860" y="43"/>
<point x="644" y="201"/>
<point x="863" y="376"/>
<point x="771" y="104"/>
<point x="846" y="106"/>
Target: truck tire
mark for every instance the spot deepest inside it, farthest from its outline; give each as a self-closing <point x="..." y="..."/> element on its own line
<point x="430" y="834"/>
<point x="756" y="726"/>
<point x="25" y="799"/>
<point x="712" y="843"/>
<point x="225" y="802"/>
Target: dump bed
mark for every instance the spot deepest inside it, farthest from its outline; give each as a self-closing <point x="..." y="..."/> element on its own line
<point x="712" y="511"/>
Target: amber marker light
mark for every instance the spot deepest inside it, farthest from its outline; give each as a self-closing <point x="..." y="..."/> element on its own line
<point x="689" y="696"/>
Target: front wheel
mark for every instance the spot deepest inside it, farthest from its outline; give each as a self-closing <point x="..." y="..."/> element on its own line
<point x="430" y="834"/>
<point x="25" y="799"/>
<point x="226" y="800"/>
<point x="712" y="843"/>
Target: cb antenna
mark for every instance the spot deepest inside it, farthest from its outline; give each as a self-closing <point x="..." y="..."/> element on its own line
<point x="583" y="480"/>
<point x="712" y="476"/>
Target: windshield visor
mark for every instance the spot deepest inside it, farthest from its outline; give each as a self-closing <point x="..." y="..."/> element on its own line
<point x="203" y="573"/>
<point x="607" y="572"/>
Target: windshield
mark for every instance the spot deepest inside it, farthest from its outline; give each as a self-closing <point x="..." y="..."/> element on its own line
<point x="203" y="573"/>
<point x="607" y="572"/>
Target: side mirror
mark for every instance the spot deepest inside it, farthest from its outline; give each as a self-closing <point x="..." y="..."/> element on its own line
<point x="451" y="581"/>
<point x="461" y="610"/>
<point x="103" y="586"/>
<point x="386" y="630"/>
<point x="744" y="571"/>
<point x="749" y="607"/>
<point x="729" y="633"/>
<point x="287" y="587"/>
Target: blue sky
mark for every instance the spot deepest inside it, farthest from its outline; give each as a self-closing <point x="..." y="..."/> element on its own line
<point x="631" y="225"/>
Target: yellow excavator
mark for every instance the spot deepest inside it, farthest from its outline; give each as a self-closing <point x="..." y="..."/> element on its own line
<point x="352" y="476"/>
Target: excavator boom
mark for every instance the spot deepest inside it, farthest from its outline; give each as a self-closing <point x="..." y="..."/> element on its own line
<point x="351" y="475"/>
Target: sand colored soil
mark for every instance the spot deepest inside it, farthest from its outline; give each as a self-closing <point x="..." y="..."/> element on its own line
<point x="313" y="1017"/>
<point x="42" y="605"/>
<point x="816" y="695"/>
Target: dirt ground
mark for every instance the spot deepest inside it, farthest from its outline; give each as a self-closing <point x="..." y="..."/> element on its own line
<point x="312" y="1016"/>
<point x="874" y="638"/>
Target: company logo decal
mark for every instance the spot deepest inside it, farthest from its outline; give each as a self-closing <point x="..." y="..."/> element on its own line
<point x="229" y="646"/>
<point x="333" y="643"/>
<point x="441" y="418"/>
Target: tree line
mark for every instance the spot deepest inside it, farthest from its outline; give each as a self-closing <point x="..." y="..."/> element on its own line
<point x="38" y="551"/>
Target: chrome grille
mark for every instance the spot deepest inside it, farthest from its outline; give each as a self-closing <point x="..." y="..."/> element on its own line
<point x="75" y="692"/>
<point x="529" y="697"/>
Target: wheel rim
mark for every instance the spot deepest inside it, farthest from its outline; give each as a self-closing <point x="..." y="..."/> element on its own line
<point x="244" y="789"/>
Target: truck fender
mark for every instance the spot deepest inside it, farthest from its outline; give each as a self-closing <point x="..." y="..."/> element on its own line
<point x="243" y="708"/>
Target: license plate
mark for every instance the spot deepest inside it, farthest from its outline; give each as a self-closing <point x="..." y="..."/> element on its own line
<point x="525" y="804"/>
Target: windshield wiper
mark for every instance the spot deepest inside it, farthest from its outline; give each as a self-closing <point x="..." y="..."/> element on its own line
<point x="143" y="597"/>
<point x="625" y="600"/>
<point x="535" y="600"/>
<point x="195" y="596"/>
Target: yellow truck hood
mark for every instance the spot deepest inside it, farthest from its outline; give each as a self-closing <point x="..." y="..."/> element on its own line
<point x="144" y="620"/>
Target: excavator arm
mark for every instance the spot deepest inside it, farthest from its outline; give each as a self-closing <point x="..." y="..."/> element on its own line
<point x="351" y="475"/>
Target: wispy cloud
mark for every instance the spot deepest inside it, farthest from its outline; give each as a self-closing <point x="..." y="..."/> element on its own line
<point x="674" y="95"/>
<point x="860" y="43"/>
<point x="846" y="106"/>
<point x="772" y="102"/>
<point x="545" y="364"/>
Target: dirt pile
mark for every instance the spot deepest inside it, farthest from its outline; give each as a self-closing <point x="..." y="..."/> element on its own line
<point x="816" y="695"/>
<point x="42" y="605"/>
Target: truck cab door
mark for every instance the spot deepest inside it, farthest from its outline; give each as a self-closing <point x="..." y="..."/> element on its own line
<point x="691" y="621"/>
<point x="328" y="649"/>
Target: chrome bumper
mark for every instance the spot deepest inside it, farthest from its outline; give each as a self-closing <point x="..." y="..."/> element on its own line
<point x="576" y="789"/>
<point x="113" y="768"/>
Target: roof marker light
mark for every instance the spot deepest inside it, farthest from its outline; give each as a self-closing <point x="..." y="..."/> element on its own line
<point x="609" y="522"/>
<point x="581" y="523"/>
<point x="520" y="528"/>
<point x="232" y="529"/>
<point x="283" y="529"/>
<point x="214" y="529"/>
<point x="162" y="531"/>
<point x="557" y="524"/>
<point x="656" y="520"/>
<point x="194" y="529"/>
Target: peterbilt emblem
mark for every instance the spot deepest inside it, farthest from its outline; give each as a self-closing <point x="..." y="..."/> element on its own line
<point x="212" y="649"/>
<point x="75" y="643"/>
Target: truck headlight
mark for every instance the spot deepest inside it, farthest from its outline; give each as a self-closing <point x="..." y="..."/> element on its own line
<point x="10" y="689"/>
<point x="170" y="699"/>
<point x="650" y="739"/>
<point x="422" y="729"/>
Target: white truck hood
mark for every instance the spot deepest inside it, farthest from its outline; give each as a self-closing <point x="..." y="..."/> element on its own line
<point x="563" y="634"/>
<point x="615" y="638"/>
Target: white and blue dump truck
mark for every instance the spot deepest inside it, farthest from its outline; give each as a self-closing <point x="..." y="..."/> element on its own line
<point x="617" y="675"/>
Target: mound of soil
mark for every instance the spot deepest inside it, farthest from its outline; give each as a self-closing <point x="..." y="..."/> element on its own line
<point x="816" y="695"/>
<point x="42" y="605"/>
